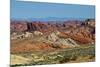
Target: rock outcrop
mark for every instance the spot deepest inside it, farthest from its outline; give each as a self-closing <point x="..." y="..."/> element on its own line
<point x="80" y="31"/>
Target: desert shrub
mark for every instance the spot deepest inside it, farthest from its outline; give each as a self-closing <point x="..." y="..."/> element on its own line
<point x="74" y="57"/>
<point x="92" y="56"/>
<point x="65" y="59"/>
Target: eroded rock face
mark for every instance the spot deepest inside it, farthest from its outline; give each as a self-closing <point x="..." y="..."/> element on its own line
<point x="30" y="46"/>
<point x="18" y="26"/>
<point x="80" y="31"/>
<point x="37" y="33"/>
<point x="44" y="27"/>
<point x="52" y="37"/>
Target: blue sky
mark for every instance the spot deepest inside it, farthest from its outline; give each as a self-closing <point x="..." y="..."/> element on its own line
<point x="27" y="10"/>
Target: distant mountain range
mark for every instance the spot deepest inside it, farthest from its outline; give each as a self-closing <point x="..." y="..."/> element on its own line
<point x="51" y="19"/>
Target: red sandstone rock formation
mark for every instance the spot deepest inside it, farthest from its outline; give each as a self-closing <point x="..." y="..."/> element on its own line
<point x="81" y="31"/>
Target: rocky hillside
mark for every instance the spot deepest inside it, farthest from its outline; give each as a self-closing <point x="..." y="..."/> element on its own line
<point x="20" y="26"/>
<point x="80" y="31"/>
